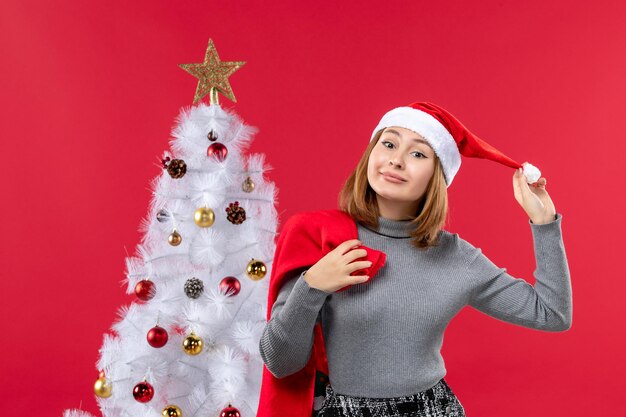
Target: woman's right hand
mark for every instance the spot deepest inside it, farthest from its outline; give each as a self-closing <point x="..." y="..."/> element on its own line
<point x="332" y="272"/>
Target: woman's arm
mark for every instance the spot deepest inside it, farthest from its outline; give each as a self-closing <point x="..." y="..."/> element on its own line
<point x="546" y="306"/>
<point x="287" y="339"/>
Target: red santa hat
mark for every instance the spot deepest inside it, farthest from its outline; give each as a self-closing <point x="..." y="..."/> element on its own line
<point x="448" y="138"/>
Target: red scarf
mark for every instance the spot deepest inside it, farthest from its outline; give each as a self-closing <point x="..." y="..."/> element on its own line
<point x="305" y="239"/>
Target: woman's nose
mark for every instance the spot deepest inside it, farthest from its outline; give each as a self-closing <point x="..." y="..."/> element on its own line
<point x="395" y="161"/>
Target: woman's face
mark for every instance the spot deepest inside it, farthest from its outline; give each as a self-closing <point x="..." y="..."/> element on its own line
<point x="404" y="154"/>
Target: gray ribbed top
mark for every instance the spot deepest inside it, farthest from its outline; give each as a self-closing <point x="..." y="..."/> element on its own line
<point x="383" y="338"/>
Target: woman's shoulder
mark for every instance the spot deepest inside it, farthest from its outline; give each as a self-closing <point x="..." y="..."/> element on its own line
<point x="456" y="245"/>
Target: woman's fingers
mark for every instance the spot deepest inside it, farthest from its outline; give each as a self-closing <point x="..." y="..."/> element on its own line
<point x="355" y="254"/>
<point x="541" y="183"/>
<point x="344" y="247"/>
<point x="355" y="266"/>
<point x="520" y="186"/>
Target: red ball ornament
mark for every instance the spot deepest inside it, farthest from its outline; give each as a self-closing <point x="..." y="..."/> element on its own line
<point x="157" y="337"/>
<point x="145" y="290"/>
<point x="230" y="412"/>
<point x="217" y="150"/>
<point x="230" y="284"/>
<point x="143" y="392"/>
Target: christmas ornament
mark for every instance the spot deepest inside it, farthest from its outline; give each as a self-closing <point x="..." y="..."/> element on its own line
<point x="228" y="284"/>
<point x="248" y="185"/>
<point x="192" y="344"/>
<point x="213" y="74"/>
<point x="162" y="216"/>
<point x="175" y="167"/>
<point x="102" y="388"/>
<point x="211" y="136"/>
<point x="204" y="217"/>
<point x="145" y="290"/>
<point x="217" y="150"/>
<point x="236" y="214"/>
<point x="256" y="270"/>
<point x="157" y="337"/>
<point x="175" y="238"/>
<point x="230" y="411"/>
<point x="172" y="411"/>
<point x="194" y="287"/>
<point x="143" y="392"/>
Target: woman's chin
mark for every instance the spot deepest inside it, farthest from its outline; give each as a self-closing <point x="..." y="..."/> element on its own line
<point x="391" y="197"/>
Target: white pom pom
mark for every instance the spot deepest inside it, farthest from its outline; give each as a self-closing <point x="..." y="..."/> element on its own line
<point x="531" y="173"/>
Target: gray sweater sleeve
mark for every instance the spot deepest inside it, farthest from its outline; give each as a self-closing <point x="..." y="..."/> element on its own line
<point x="548" y="305"/>
<point x="287" y="339"/>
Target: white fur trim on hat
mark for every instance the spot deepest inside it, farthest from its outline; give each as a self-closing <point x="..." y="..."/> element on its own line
<point x="432" y="130"/>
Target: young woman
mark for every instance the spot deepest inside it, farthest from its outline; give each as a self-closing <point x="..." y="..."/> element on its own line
<point x="375" y="325"/>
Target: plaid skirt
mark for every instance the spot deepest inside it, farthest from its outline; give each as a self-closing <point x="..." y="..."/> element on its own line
<point x="438" y="401"/>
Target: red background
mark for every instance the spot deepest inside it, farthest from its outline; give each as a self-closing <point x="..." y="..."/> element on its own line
<point x="90" y="91"/>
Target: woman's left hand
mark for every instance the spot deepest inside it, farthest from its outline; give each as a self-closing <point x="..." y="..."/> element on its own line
<point x="534" y="198"/>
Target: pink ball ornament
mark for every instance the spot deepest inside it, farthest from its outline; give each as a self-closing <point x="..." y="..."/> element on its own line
<point x="230" y="412"/>
<point x="217" y="150"/>
<point x="157" y="337"/>
<point x="145" y="290"/>
<point x="143" y="392"/>
<point x="230" y="284"/>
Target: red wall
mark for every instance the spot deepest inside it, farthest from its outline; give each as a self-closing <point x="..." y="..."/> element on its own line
<point x="90" y="91"/>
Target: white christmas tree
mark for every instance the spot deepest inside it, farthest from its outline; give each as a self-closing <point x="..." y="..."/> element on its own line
<point x="188" y="344"/>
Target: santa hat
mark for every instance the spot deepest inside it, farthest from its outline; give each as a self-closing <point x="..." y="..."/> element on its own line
<point x="448" y="138"/>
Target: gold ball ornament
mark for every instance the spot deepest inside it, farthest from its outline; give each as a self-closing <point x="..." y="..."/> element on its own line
<point x="175" y="238"/>
<point x="256" y="270"/>
<point x="103" y="388"/>
<point x="204" y="217"/>
<point x="248" y="185"/>
<point x="172" y="410"/>
<point x="192" y="344"/>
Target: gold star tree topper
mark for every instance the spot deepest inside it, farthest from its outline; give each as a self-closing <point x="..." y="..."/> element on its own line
<point x="213" y="75"/>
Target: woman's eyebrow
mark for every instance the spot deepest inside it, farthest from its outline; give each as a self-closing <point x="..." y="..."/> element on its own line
<point x="419" y="140"/>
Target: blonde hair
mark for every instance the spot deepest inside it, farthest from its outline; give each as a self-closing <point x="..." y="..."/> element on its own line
<point x="358" y="199"/>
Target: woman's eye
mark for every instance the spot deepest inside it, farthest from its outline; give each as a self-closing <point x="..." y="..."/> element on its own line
<point x="385" y="142"/>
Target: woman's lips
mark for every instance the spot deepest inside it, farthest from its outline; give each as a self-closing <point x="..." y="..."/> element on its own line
<point x="392" y="179"/>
